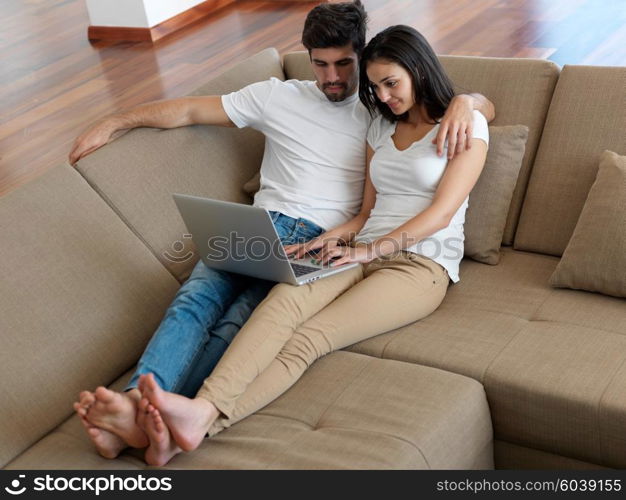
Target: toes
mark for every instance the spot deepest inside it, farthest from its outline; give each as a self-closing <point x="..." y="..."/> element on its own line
<point x="158" y="420"/>
<point x="80" y="409"/>
<point x="104" y="395"/>
<point x="85" y="401"/>
<point x="143" y="404"/>
<point x="145" y="383"/>
<point x="150" y="383"/>
<point x="86" y="398"/>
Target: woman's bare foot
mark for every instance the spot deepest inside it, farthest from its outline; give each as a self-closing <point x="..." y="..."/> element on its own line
<point x="116" y="413"/>
<point x="162" y="446"/>
<point x="107" y="444"/>
<point x="188" y="420"/>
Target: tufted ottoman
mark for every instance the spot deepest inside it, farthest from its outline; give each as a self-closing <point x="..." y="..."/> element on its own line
<point x="359" y="412"/>
<point x="348" y="411"/>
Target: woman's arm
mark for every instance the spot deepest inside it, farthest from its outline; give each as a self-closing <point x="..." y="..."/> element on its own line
<point x="458" y="180"/>
<point x="345" y="232"/>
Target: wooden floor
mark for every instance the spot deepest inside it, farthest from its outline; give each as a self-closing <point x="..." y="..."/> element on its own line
<point x="53" y="82"/>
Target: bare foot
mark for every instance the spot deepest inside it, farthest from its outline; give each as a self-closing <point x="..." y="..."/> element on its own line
<point x="116" y="412"/>
<point x="85" y="400"/>
<point x="162" y="446"/>
<point x="188" y="420"/>
<point x="108" y="444"/>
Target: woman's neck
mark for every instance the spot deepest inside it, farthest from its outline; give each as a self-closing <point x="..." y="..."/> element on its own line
<point x="417" y="116"/>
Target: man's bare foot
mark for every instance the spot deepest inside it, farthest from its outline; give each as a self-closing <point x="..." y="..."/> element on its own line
<point x="108" y="444"/>
<point x="85" y="400"/>
<point x="162" y="446"/>
<point x="187" y="419"/>
<point x="116" y="412"/>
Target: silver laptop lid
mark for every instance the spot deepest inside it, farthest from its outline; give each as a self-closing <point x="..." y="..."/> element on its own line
<point x="235" y="237"/>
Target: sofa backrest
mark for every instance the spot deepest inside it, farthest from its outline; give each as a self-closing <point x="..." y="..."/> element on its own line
<point x="138" y="173"/>
<point x="521" y="90"/>
<point x="80" y="296"/>
<point x="587" y="116"/>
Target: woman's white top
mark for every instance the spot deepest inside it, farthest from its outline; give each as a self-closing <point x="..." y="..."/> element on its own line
<point x="406" y="182"/>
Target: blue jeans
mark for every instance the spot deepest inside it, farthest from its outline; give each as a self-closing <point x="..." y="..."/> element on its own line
<point x="207" y="312"/>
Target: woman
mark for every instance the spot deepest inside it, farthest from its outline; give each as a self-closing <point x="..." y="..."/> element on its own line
<point x="408" y="237"/>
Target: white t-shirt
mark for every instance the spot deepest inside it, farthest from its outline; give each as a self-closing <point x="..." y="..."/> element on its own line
<point x="405" y="183"/>
<point x="314" y="161"/>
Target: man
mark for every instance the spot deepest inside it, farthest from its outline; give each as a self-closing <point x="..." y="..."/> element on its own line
<point x="312" y="179"/>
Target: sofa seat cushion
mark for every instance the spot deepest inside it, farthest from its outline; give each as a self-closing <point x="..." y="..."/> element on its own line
<point x="513" y="456"/>
<point x="552" y="360"/>
<point x="347" y="411"/>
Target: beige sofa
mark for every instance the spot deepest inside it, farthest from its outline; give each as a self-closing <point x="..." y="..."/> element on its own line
<point x="508" y="372"/>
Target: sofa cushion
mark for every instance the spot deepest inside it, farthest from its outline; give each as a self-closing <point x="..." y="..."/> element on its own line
<point x="80" y="297"/>
<point x="478" y="317"/>
<point x="199" y="160"/>
<point x="586" y="117"/>
<point x="551" y="360"/>
<point x="521" y="90"/>
<point x="595" y="257"/>
<point x="490" y="198"/>
<point x="347" y="411"/>
<point x="513" y="456"/>
<point x="559" y="388"/>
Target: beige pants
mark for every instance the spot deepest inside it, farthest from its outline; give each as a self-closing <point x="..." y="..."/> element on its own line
<point x="295" y="325"/>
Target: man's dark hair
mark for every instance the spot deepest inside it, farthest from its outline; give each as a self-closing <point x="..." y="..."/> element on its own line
<point x="405" y="46"/>
<point x="335" y="25"/>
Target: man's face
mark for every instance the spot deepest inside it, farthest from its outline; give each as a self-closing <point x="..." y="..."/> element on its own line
<point x="336" y="71"/>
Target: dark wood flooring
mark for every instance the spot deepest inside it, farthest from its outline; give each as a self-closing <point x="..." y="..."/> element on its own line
<point x="53" y="82"/>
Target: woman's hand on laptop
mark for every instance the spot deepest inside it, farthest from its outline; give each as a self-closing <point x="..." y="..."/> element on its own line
<point x="316" y="245"/>
<point x="339" y="255"/>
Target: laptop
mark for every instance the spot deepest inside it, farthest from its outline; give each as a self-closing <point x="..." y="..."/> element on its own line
<point x="242" y="239"/>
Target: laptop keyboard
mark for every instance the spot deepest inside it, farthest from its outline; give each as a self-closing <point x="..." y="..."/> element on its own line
<point x="301" y="270"/>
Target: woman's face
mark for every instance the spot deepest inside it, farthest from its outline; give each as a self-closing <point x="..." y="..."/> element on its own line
<point x="393" y="85"/>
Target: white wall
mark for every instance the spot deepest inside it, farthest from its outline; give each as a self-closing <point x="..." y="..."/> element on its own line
<point x="135" y="13"/>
